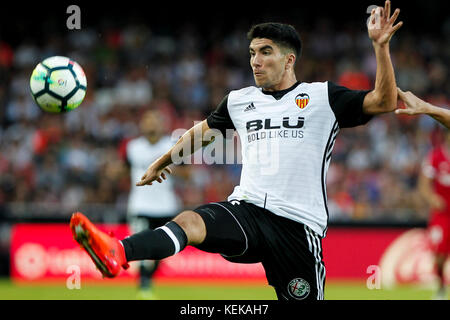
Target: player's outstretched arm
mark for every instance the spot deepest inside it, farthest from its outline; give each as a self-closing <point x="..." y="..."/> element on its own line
<point x="415" y="106"/>
<point x="426" y="190"/>
<point x="381" y="28"/>
<point x="192" y="140"/>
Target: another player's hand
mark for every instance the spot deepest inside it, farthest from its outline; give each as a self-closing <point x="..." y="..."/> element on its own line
<point x="413" y="104"/>
<point x="153" y="174"/>
<point x="436" y="202"/>
<point x="381" y="24"/>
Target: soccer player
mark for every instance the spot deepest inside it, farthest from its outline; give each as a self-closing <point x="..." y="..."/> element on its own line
<point x="415" y="106"/>
<point x="434" y="185"/>
<point x="278" y="214"/>
<point x="149" y="208"/>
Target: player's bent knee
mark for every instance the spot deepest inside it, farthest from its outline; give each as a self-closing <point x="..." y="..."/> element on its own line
<point x="193" y="225"/>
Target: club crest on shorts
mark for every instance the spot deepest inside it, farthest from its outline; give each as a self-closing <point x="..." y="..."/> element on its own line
<point x="299" y="288"/>
<point x="302" y="100"/>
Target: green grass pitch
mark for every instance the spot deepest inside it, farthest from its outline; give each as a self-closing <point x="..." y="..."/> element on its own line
<point x="204" y="291"/>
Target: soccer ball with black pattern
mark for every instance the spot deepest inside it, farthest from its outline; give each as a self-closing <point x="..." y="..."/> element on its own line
<point x="58" y="84"/>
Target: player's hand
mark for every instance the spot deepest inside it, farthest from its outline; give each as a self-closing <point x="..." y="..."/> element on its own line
<point x="413" y="104"/>
<point x="436" y="202"/>
<point x="381" y="24"/>
<point x="153" y="174"/>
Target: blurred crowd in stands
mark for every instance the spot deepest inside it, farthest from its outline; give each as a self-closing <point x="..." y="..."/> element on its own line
<point x="78" y="157"/>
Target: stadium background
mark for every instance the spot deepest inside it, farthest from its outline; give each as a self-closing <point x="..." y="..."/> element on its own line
<point x="182" y="59"/>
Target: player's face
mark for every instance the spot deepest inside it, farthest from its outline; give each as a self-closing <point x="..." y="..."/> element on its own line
<point x="268" y="63"/>
<point x="150" y="127"/>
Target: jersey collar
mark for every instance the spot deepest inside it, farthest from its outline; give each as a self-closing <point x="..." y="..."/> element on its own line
<point x="279" y="94"/>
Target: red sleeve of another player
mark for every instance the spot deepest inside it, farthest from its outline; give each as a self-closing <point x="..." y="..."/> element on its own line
<point x="122" y="149"/>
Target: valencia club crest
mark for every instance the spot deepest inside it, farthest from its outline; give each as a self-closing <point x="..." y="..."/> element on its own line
<point x="302" y="100"/>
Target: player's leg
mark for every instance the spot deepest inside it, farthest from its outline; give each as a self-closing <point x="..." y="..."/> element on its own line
<point x="110" y="255"/>
<point x="137" y="224"/>
<point x="153" y="224"/>
<point x="227" y="233"/>
<point x="439" y="234"/>
<point x="187" y="228"/>
<point x="293" y="263"/>
<point x="147" y="268"/>
<point x="440" y="263"/>
<point x="290" y="252"/>
<point x="441" y="254"/>
<point x="211" y="227"/>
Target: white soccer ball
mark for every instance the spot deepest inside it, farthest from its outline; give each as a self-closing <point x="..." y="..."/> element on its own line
<point x="58" y="84"/>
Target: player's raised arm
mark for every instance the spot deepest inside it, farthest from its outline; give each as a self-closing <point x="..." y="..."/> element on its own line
<point x="415" y="106"/>
<point x="425" y="186"/>
<point x="381" y="28"/>
<point x="191" y="140"/>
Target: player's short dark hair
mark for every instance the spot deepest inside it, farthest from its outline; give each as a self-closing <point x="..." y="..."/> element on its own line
<point x="282" y="34"/>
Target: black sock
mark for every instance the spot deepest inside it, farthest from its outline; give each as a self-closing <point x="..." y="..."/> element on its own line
<point x="155" y="244"/>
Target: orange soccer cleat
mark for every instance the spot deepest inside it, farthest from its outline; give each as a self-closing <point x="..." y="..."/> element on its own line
<point x="106" y="251"/>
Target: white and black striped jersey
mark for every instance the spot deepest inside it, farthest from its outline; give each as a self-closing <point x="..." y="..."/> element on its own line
<point x="287" y="138"/>
<point x="160" y="201"/>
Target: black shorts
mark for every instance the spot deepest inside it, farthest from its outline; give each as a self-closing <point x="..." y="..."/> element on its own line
<point x="290" y="252"/>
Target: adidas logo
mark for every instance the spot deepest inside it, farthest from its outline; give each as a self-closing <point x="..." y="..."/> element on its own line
<point x="250" y="107"/>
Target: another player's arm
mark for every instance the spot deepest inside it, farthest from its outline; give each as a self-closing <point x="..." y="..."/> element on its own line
<point x="381" y="29"/>
<point x="415" y="106"/>
<point x="425" y="185"/>
<point x="188" y="141"/>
